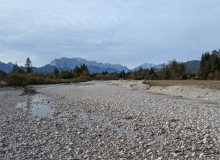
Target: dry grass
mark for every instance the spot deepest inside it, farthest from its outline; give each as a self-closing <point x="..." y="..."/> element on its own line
<point x="199" y="83"/>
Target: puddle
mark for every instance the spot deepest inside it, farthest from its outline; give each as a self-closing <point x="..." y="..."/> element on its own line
<point x="29" y="92"/>
<point x="36" y="104"/>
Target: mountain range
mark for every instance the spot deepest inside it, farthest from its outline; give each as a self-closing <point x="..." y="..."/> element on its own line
<point x="192" y="66"/>
<point x="6" y="67"/>
<point x="149" y="66"/>
<point x="93" y="66"/>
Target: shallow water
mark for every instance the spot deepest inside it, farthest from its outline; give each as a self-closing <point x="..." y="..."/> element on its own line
<point x="36" y="104"/>
<point x="29" y="92"/>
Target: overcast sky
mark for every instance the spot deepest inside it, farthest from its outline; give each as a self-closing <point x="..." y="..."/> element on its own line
<point x="129" y="32"/>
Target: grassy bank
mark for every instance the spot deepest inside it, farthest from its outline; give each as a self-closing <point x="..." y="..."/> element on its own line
<point x="199" y="83"/>
<point x="15" y="79"/>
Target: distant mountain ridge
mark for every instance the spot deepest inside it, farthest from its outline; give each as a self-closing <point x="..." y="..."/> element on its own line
<point x="6" y="67"/>
<point x="93" y="66"/>
<point x="149" y="66"/>
<point x="193" y="65"/>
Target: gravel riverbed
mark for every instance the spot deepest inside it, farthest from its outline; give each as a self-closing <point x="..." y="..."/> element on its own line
<point x="106" y="120"/>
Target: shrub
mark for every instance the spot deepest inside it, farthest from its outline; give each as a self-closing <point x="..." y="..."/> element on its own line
<point x="36" y="80"/>
<point x="2" y="75"/>
<point x="15" y="79"/>
<point x="184" y="77"/>
<point x="50" y="81"/>
<point x="82" y="78"/>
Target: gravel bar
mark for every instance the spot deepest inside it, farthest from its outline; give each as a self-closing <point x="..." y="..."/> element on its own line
<point x="103" y="120"/>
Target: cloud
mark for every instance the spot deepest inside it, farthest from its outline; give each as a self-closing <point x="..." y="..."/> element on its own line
<point x="128" y="32"/>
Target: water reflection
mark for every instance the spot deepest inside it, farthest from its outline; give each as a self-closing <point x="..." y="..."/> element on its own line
<point x="36" y="104"/>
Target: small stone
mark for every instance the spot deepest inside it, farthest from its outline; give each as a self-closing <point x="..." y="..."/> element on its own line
<point x="175" y="155"/>
<point x="207" y="135"/>
<point x="102" y="143"/>
<point x="204" y="140"/>
<point x="129" y="117"/>
<point x="148" y="150"/>
<point x="193" y="147"/>
<point x="71" y="158"/>
<point x="70" y="143"/>
<point x="141" y="142"/>
<point x="86" y="156"/>
<point x="201" y="155"/>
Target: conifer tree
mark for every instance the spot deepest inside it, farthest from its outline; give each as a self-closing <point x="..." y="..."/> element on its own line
<point x="15" y="68"/>
<point x="56" y="72"/>
<point x="28" y="65"/>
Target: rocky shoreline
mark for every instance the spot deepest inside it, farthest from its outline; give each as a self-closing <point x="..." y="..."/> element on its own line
<point x="108" y="120"/>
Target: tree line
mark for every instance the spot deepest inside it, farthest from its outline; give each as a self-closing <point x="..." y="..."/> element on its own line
<point x="173" y="70"/>
<point x="210" y="65"/>
<point x="209" y="70"/>
<point x="21" y="77"/>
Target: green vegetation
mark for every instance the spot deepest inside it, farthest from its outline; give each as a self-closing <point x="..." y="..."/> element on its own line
<point x="16" y="69"/>
<point x="28" y="65"/>
<point x="79" y="74"/>
<point x="18" y="77"/>
<point x="172" y="71"/>
<point x="199" y="83"/>
<point x="2" y="75"/>
<point x="210" y="66"/>
<point x="209" y="70"/>
<point x="140" y="74"/>
<point x="105" y="76"/>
